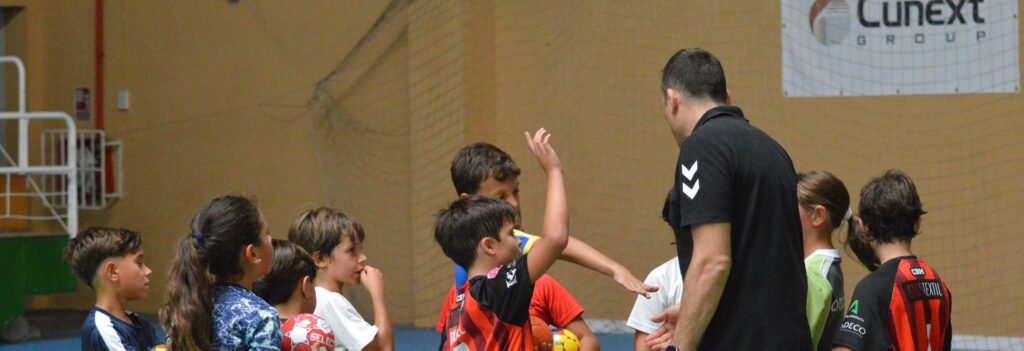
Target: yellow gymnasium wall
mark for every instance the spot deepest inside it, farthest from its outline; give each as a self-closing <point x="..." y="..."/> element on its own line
<point x="218" y="93"/>
<point x="361" y="105"/>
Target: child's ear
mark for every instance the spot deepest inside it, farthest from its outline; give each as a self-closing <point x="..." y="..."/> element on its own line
<point x="306" y="287"/>
<point x="488" y="244"/>
<point x="320" y="260"/>
<point x="108" y="270"/>
<point x="819" y="215"/>
<point x="917" y="224"/>
<point x="463" y="196"/>
<point x="250" y="254"/>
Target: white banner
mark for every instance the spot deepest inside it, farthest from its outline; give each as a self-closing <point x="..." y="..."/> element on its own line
<point x="899" y="47"/>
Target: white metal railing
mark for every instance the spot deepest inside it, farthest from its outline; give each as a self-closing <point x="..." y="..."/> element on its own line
<point x="92" y="168"/>
<point x="68" y="169"/>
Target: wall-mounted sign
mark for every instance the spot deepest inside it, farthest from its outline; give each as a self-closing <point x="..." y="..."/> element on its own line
<point x="83" y="105"/>
<point x="899" y="47"/>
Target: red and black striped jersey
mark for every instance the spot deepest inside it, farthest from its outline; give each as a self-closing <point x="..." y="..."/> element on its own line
<point x="492" y="312"/>
<point x="902" y="306"/>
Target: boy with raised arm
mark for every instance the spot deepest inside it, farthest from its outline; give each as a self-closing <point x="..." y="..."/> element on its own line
<point x="492" y="310"/>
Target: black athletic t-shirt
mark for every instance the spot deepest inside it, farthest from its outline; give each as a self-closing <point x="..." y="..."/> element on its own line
<point x="731" y="172"/>
<point x="903" y="305"/>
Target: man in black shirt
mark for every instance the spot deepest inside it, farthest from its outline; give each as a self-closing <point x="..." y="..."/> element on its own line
<point x="733" y="208"/>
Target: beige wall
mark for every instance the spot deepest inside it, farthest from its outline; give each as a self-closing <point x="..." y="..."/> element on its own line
<point x="220" y="91"/>
<point x="218" y="105"/>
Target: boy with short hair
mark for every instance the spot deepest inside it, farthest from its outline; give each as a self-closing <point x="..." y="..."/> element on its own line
<point x="110" y="261"/>
<point x="335" y="242"/>
<point x="485" y="170"/>
<point x="492" y="311"/>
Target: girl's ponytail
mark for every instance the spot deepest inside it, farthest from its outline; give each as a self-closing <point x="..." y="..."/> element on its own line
<point x="858" y="242"/>
<point x="186" y="313"/>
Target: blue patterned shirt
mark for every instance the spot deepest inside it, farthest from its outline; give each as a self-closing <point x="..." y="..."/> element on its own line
<point x="243" y="321"/>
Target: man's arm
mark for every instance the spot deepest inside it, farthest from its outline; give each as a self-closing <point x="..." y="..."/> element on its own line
<point x="578" y="252"/>
<point x="705" y="282"/>
<point x="588" y="341"/>
<point x="840" y="348"/>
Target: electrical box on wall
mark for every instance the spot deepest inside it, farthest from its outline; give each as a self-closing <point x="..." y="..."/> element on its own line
<point x="122" y="100"/>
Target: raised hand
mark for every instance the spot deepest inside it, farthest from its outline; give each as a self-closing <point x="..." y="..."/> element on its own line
<point x="545" y="154"/>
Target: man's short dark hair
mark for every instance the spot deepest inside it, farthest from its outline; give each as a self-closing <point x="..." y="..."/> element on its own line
<point x="92" y="246"/>
<point x="291" y="264"/>
<point x="461" y="227"/>
<point x="475" y="163"/>
<point x="696" y="74"/>
<point x="890" y="207"/>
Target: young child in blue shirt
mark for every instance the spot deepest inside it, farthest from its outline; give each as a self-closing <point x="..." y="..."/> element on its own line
<point x="110" y="261"/>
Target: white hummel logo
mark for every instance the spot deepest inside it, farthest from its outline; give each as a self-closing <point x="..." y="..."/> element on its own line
<point x="688" y="173"/>
<point x="510" y="278"/>
<point x="691" y="192"/>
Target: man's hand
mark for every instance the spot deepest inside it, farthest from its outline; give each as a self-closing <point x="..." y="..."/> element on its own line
<point x="662" y="338"/>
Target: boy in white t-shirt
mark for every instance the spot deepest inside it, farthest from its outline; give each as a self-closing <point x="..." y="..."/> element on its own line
<point x="336" y="244"/>
<point x="668" y="279"/>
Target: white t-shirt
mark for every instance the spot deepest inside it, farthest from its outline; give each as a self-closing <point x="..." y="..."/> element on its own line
<point x="670" y="283"/>
<point x="351" y="331"/>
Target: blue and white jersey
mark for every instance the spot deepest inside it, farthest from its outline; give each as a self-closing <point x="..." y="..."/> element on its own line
<point x="103" y="331"/>
<point x="243" y="321"/>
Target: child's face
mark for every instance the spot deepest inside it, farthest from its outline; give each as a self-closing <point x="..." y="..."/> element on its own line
<point x="508" y="244"/>
<point x="806" y="222"/>
<point x="265" y="248"/>
<point x="507" y="190"/>
<point x="347" y="261"/>
<point x="132" y="276"/>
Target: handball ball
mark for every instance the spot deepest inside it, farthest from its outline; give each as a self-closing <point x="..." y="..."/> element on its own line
<point x="565" y="340"/>
<point x="306" y="332"/>
<point x="541" y="331"/>
<point x="160" y="347"/>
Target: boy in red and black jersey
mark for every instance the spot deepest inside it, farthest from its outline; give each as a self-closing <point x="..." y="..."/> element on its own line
<point x="551" y="302"/>
<point x="903" y="304"/>
<point x="492" y="308"/>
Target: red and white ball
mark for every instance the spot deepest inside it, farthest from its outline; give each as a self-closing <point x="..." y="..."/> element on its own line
<point x="306" y="332"/>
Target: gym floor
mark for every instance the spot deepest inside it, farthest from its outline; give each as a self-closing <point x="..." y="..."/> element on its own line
<point x="59" y="331"/>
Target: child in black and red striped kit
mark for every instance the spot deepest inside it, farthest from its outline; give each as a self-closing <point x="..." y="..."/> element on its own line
<point x="903" y="304"/>
<point x="492" y="310"/>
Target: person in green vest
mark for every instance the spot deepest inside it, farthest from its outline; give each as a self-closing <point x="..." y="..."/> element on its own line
<point x="824" y="206"/>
